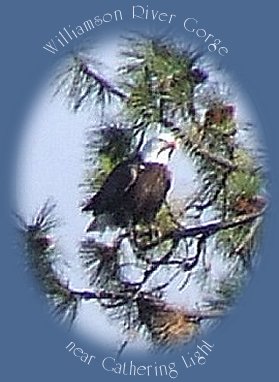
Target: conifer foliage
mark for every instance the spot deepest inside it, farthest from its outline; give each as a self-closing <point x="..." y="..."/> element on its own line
<point x="160" y="86"/>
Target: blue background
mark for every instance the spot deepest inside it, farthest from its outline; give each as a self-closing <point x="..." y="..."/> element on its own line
<point x="32" y="345"/>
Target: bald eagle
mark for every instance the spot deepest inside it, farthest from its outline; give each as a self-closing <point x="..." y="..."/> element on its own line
<point x="137" y="187"/>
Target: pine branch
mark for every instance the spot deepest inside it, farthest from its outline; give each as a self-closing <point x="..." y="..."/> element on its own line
<point x="210" y="156"/>
<point x="41" y="256"/>
<point x="206" y="229"/>
<point x="102" y="81"/>
<point x="247" y="246"/>
<point x="103" y="295"/>
<point x="170" y="325"/>
<point x="155" y="265"/>
<point x="82" y="83"/>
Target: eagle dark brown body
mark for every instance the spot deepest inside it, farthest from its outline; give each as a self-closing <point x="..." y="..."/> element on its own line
<point x="132" y="193"/>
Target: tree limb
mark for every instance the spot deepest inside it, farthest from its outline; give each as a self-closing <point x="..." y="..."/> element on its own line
<point x="217" y="159"/>
<point x="102" y="81"/>
<point x="206" y="229"/>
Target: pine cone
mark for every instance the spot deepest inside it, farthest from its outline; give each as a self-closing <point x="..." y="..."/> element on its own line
<point x="244" y="205"/>
<point x="218" y="114"/>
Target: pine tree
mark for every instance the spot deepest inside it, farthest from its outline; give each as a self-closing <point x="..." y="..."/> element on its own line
<point x="162" y="86"/>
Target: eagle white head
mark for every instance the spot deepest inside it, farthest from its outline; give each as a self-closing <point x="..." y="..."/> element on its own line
<point x="159" y="149"/>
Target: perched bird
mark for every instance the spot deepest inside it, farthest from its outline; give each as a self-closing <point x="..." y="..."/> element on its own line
<point x="136" y="188"/>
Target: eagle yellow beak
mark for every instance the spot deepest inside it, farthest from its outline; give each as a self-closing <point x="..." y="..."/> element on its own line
<point x="170" y="145"/>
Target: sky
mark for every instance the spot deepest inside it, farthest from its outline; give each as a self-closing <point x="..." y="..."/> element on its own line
<point x="51" y="164"/>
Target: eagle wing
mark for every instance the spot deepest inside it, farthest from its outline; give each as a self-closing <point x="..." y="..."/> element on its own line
<point x="148" y="192"/>
<point x="114" y="189"/>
